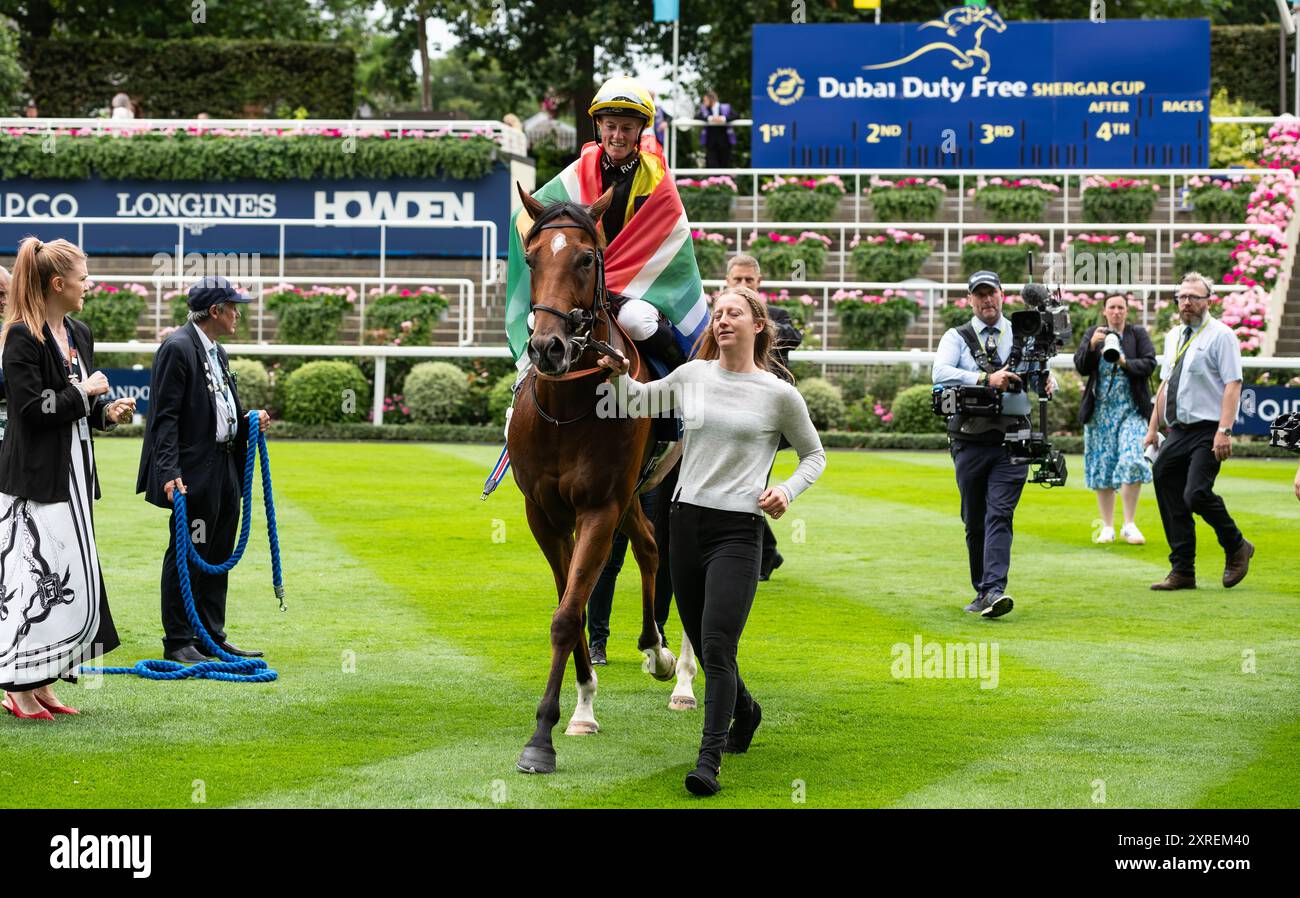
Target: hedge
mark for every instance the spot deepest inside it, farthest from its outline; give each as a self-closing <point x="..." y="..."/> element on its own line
<point x="324" y="392"/>
<point x="480" y="433"/>
<point x="1243" y="58"/>
<point x="184" y="156"/>
<point x="181" y="78"/>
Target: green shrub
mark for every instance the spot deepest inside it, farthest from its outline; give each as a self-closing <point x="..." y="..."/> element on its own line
<point x="889" y="260"/>
<point x="325" y="392"/>
<point x="1118" y="199"/>
<point x="808" y="199"/>
<point x="1221" y="199"/>
<point x="1014" y="200"/>
<point x="1239" y="55"/>
<point x="780" y="255"/>
<point x="912" y="411"/>
<point x="906" y="199"/>
<point x="709" y="199"/>
<point x="1235" y="143"/>
<point x="436" y="392"/>
<point x="1063" y="410"/>
<point x="1212" y="258"/>
<point x="710" y="253"/>
<point x="253" y="383"/>
<point x="112" y="313"/>
<point x="825" y="407"/>
<point x="407" y="318"/>
<point x="312" y="316"/>
<point x="1004" y="255"/>
<point x="874" y="321"/>
<point x="501" y="397"/>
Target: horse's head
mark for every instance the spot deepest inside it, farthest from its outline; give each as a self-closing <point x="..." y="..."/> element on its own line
<point x="565" y="259"/>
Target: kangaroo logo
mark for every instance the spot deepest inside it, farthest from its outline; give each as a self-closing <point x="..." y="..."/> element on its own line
<point x="957" y="22"/>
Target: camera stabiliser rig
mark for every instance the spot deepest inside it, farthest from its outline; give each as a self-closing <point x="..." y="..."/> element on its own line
<point x="1038" y="333"/>
<point x="1284" y="432"/>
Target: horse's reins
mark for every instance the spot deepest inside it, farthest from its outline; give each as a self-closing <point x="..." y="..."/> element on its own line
<point x="583" y="321"/>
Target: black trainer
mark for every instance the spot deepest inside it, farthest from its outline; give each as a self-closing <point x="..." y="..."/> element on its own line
<point x="742" y="732"/>
<point x="703" y="781"/>
<point x="597" y="651"/>
<point x="996" y="604"/>
<point x="977" y="604"/>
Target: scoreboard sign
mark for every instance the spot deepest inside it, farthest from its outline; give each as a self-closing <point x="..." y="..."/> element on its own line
<point x="970" y="90"/>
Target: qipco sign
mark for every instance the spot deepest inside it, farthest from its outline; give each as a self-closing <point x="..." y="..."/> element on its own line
<point x="29" y="205"/>
<point x="1260" y="406"/>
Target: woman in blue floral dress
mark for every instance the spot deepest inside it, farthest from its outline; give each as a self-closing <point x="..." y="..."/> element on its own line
<point x="1116" y="409"/>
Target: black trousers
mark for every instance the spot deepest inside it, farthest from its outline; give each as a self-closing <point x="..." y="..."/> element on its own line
<point x="1184" y="475"/>
<point x="715" y="575"/>
<point x="717" y="154"/>
<point x="990" y="487"/>
<point x="602" y="594"/>
<point x="218" y="510"/>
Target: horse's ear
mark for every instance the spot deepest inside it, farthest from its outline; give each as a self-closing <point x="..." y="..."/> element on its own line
<point x="601" y="206"/>
<point x="532" y="205"/>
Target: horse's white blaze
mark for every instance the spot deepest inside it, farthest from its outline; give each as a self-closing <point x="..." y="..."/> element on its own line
<point x="558" y="242"/>
<point x="583" y="721"/>
<point x="683" y="697"/>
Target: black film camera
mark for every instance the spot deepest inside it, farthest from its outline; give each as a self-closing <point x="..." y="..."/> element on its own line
<point x="1038" y="333"/>
<point x="1284" y="432"/>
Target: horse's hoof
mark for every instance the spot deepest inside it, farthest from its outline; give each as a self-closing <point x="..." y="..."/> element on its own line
<point x="582" y="728"/>
<point x="650" y="665"/>
<point x="681" y="703"/>
<point x="535" y="759"/>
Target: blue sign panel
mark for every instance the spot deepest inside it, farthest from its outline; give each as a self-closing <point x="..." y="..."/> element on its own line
<point x="134" y="203"/>
<point x="124" y="383"/>
<point x="1261" y="405"/>
<point x="970" y="90"/>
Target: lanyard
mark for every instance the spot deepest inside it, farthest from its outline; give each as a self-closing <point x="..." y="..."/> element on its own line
<point x="1190" y="340"/>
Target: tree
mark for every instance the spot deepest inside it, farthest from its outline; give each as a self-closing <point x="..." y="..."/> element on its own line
<point x="538" y="46"/>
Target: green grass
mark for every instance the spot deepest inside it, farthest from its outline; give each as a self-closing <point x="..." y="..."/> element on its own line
<point x="416" y="646"/>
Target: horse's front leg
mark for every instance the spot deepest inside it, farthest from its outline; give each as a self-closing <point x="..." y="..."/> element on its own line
<point x="595" y="531"/>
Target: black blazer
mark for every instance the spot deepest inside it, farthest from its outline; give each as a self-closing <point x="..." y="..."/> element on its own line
<point x="36" y="454"/>
<point x="1139" y="352"/>
<point x="180" y="439"/>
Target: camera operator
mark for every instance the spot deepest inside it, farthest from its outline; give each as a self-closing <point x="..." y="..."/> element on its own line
<point x="989" y="481"/>
<point x="1198" y="397"/>
<point x="1117" y="358"/>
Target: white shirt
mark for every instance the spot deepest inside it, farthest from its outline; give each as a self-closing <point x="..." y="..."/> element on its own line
<point x="223" y="400"/>
<point x="1210" y="363"/>
<point x="953" y="362"/>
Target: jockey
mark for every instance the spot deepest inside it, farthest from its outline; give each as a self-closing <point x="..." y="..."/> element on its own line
<point x="621" y="111"/>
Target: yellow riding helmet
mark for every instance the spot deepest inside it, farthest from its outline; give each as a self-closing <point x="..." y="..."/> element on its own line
<point x="623" y="96"/>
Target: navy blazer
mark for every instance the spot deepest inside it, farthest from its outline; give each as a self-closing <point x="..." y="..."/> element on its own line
<point x="180" y="439"/>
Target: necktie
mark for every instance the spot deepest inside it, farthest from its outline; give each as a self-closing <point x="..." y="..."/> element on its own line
<point x="991" y="346"/>
<point x="1171" y="392"/>
<point x="225" y="402"/>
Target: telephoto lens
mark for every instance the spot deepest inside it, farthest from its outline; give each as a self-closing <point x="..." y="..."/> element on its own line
<point x="1110" y="349"/>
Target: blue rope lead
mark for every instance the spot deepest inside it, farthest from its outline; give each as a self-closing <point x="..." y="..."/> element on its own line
<point x="230" y="668"/>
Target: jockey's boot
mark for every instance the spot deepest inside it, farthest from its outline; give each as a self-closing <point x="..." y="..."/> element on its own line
<point x="662" y="344"/>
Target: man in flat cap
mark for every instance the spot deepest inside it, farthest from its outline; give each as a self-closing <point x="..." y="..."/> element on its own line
<point x="195" y="442"/>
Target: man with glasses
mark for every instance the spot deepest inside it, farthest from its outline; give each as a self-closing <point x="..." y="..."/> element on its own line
<point x="1199" y="391"/>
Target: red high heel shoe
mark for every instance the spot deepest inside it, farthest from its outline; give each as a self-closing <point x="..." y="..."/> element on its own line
<point x="56" y="709"/>
<point x="12" y="708"/>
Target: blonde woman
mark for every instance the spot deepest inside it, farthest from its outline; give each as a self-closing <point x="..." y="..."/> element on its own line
<point x="736" y="411"/>
<point x="55" y="611"/>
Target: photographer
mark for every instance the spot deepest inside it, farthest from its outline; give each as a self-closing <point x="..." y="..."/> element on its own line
<point x="1117" y="358"/>
<point x="989" y="480"/>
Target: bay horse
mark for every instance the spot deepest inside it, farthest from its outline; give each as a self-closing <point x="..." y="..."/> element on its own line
<point x="578" y="468"/>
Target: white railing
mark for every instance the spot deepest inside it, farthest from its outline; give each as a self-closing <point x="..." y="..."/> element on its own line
<point x="861" y="177"/>
<point x="511" y="140"/>
<point x="487" y="243"/>
<point x="381" y="354"/>
<point x="255" y="284"/>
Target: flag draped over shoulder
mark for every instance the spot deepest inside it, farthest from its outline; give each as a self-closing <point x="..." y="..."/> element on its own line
<point x="652" y="258"/>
